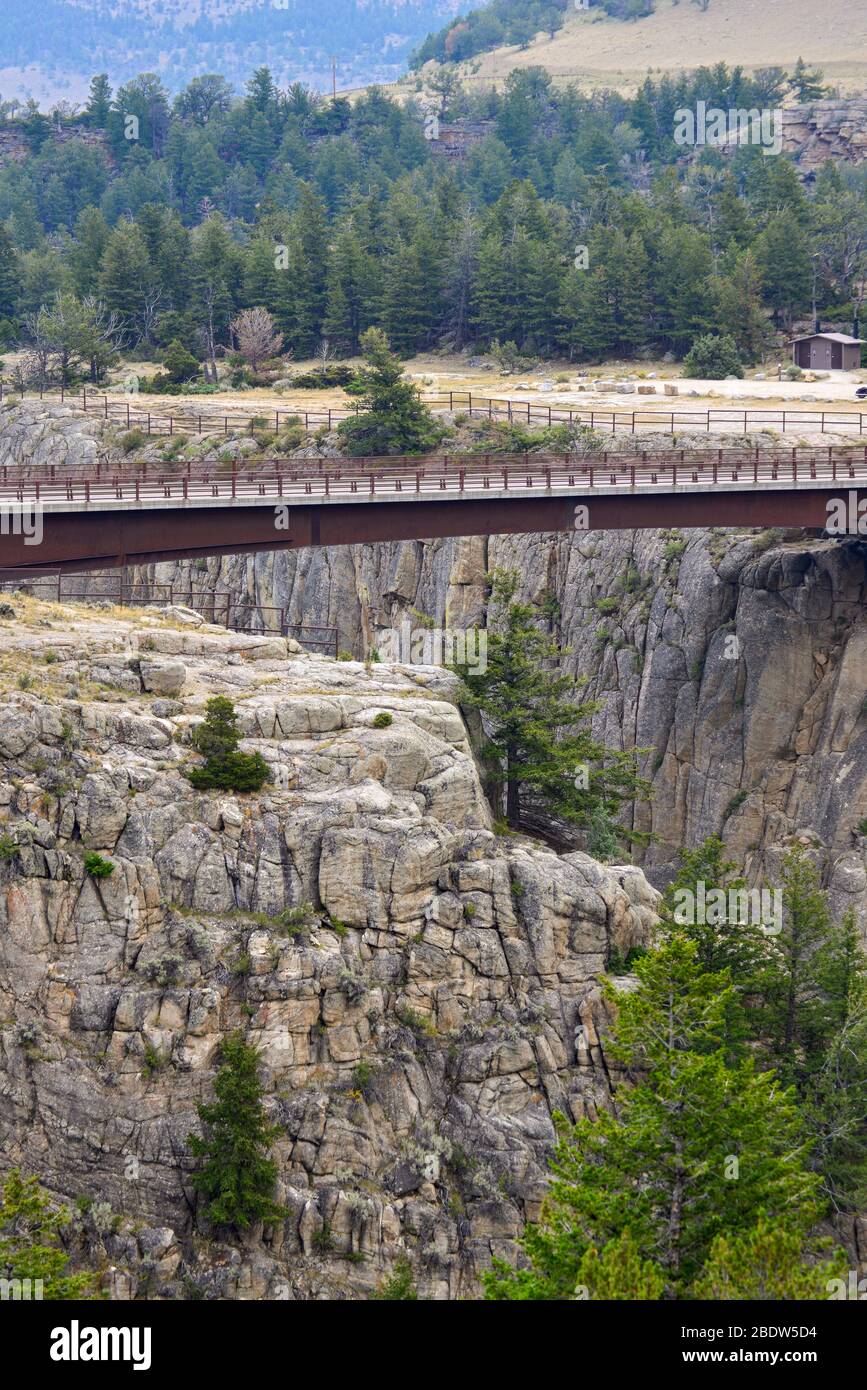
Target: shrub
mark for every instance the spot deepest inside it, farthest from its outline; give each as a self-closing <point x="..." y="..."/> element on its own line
<point x="400" y="1286"/>
<point x="362" y="1075"/>
<point x="291" y="436"/>
<point x="673" y="551"/>
<point x="225" y="768"/>
<point x="31" y="1243"/>
<point x="382" y="720"/>
<point x="96" y="866"/>
<point x="713" y="357"/>
<point x="323" y="1241"/>
<point x="153" y="1061"/>
<point x="132" y="440"/>
<point x="321" y="377"/>
<point x="174" y="447"/>
<point x="295" y="920"/>
<point x="180" y="364"/>
<point x="620" y="964"/>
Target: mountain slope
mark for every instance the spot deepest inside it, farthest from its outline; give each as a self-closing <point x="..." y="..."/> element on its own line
<point x="51" y="47"/>
<point x="753" y="33"/>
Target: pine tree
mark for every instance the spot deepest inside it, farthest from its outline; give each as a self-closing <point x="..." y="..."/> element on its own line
<point x="217" y="739"/>
<point x="91" y="238"/>
<point x="724" y="941"/>
<point x="740" y="313"/>
<point x="683" y="286"/>
<point x="237" y="1178"/>
<point x="530" y="749"/>
<point x="412" y="307"/>
<point x="125" y="275"/>
<point x="617" y="1272"/>
<point x="706" y="903"/>
<point x="696" y="1149"/>
<point x="783" y="252"/>
<point x="30" y="1247"/>
<point x="393" y="419"/>
<point x="813" y="974"/>
<point x="770" y="1262"/>
<point x="807" y="86"/>
<point x="98" y="102"/>
<point x="353" y="282"/>
<point x="9" y="279"/>
<point x="626" y="271"/>
<point x="310" y="263"/>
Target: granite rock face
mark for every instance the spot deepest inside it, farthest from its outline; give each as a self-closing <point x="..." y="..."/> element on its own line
<point x="738" y="660"/>
<point x="832" y="128"/>
<point x="430" y="1002"/>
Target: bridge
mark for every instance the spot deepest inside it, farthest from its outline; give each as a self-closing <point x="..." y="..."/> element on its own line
<point x="138" y="513"/>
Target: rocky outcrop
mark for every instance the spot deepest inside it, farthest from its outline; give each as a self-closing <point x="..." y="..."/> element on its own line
<point x="425" y="994"/>
<point x="833" y="128"/>
<point x="738" y="660"/>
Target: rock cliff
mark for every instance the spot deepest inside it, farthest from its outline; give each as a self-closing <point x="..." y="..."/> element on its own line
<point x="832" y="128"/>
<point x="430" y="1002"/>
<point x="738" y="660"/>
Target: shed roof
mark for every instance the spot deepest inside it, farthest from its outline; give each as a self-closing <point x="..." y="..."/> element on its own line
<point x="831" y="337"/>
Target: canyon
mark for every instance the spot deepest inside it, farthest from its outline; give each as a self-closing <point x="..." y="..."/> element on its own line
<point x="436" y="997"/>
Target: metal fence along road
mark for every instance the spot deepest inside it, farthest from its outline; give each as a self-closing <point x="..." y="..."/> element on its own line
<point x="181" y="414"/>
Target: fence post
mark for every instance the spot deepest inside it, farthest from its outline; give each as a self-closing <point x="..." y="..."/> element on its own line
<point x="149" y="422"/>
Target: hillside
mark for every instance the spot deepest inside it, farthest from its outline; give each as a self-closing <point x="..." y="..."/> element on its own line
<point x="52" y="47"/>
<point x="679" y="35"/>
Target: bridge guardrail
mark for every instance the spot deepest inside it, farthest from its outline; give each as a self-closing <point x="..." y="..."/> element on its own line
<point x="469" y="474"/>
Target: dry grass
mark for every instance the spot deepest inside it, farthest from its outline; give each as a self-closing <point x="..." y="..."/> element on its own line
<point x="602" y="52"/>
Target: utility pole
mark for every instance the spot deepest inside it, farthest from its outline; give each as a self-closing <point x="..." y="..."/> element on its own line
<point x="333" y="78"/>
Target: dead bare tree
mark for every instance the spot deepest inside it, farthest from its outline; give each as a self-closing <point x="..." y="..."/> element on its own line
<point x="255" y="336"/>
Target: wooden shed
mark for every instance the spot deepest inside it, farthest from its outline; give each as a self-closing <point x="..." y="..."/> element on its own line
<point x="827" y="352"/>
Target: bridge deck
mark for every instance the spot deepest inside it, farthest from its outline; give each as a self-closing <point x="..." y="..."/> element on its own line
<point x="115" y="515"/>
